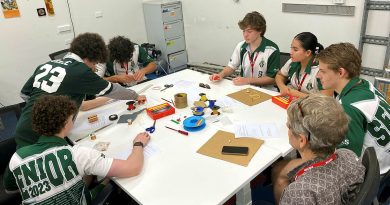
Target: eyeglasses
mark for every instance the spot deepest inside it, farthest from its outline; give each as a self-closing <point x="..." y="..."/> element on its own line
<point x="303" y="115"/>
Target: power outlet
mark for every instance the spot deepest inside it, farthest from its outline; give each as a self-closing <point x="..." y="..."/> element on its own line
<point x="64" y="28"/>
<point x="98" y="14"/>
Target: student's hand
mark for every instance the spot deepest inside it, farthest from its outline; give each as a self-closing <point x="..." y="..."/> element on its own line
<point x="142" y="137"/>
<point x="215" y="77"/>
<point x="284" y="90"/>
<point x="141" y="99"/>
<point x="123" y="78"/>
<point x="296" y="93"/>
<point x="240" y="81"/>
<point x="139" y="75"/>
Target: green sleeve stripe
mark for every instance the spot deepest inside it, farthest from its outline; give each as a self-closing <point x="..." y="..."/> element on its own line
<point x="273" y="64"/>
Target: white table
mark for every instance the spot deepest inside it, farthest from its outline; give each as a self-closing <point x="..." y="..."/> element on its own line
<point x="177" y="174"/>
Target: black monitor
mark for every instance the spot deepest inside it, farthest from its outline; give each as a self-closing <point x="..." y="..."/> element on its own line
<point x="58" y="55"/>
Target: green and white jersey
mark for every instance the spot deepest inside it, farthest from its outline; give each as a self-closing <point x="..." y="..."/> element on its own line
<point x="140" y="57"/>
<point x="68" y="76"/>
<point x="370" y="120"/>
<point x="50" y="171"/>
<point x="308" y="81"/>
<point x="266" y="59"/>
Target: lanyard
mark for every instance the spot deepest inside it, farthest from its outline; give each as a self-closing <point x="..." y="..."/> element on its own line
<point x="318" y="164"/>
<point x="126" y="66"/>
<point x="252" y="62"/>
<point x="297" y="81"/>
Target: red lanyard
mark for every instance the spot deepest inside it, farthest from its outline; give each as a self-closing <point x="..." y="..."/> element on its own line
<point x="300" y="84"/>
<point x="252" y="62"/>
<point x="318" y="164"/>
<point x="126" y="66"/>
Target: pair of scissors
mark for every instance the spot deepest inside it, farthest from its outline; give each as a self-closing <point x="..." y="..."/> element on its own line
<point x="152" y="128"/>
<point x="167" y="86"/>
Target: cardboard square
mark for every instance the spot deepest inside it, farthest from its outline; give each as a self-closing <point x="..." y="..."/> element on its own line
<point x="250" y="96"/>
<point x="213" y="147"/>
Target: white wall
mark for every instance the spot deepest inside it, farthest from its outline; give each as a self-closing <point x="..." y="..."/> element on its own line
<point x="212" y="31"/>
<point x="28" y="39"/>
<point x="26" y="42"/>
<point x="120" y="17"/>
<point x="210" y="27"/>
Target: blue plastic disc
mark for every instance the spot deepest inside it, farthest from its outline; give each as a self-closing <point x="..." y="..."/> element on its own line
<point x="194" y="129"/>
<point x="190" y="124"/>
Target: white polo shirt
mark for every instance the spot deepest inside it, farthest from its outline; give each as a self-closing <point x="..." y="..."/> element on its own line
<point x="310" y="84"/>
<point x="265" y="58"/>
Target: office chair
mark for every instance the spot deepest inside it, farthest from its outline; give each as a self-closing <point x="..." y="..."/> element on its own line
<point x="383" y="193"/>
<point x="369" y="188"/>
<point x="59" y="54"/>
<point x="105" y="194"/>
<point x="8" y="117"/>
<point x="284" y="57"/>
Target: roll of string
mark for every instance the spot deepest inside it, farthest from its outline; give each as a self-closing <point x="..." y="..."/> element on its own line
<point x="181" y="100"/>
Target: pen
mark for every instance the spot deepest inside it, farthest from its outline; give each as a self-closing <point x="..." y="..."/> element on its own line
<point x="167" y="100"/>
<point x="173" y="102"/>
<point x="179" y="131"/>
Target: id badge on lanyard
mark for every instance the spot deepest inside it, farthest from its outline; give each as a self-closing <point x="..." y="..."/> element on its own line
<point x="252" y="61"/>
<point x="299" y="84"/>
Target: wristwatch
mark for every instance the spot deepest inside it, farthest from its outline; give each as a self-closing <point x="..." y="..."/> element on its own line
<point x="138" y="144"/>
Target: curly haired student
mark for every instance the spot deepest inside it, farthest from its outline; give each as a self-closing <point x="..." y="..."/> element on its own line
<point x="51" y="171"/>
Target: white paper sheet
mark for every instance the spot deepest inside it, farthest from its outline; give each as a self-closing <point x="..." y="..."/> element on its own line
<point x="256" y="130"/>
<point x="150" y="150"/>
<point x="184" y="83"/>
<point x="226" y="101"/>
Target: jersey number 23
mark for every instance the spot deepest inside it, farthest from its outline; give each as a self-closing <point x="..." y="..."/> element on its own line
<point x="54" y="75"/>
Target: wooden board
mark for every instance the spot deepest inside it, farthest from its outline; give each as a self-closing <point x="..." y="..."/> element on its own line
<point x="250" y="96"/>
<point x="213" y="147"/>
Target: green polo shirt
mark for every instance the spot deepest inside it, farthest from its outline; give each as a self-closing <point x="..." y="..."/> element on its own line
<point x="370" y="120"/>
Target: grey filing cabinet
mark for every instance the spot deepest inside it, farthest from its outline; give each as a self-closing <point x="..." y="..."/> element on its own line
<point x="165" y="29"/>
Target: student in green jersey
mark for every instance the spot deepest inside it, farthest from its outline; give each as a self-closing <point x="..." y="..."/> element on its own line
<point x="51" y="171"/>
<point x="72" y="76"/>
<point x="257" y="57"/>
<point x="340" y="66"/>
<point x="122" y="67"/>
<point x="302" y="68"/>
